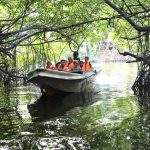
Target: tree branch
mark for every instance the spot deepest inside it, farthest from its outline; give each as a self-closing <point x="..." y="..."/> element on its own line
<point x="123" y="14"/>
<point x="138" y="58"/>
<point x="134" y="38"/>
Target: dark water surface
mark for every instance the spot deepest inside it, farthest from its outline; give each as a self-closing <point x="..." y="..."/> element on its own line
<point x="108" y="118"/>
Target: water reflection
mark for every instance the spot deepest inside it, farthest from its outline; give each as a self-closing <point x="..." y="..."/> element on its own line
<point x="107" y="120"/>
<point x="48" y="107"/>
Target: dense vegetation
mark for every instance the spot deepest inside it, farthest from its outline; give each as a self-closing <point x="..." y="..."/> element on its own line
<point x="32" y="31"/>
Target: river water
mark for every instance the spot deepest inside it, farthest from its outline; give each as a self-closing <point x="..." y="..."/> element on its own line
<point x="108" y="117"/>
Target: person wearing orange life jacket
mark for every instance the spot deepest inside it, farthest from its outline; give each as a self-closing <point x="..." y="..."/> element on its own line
<point x="70" y="64"/>
<point x="49" y="65"/>
<point x="87" y="65"/>
<point x="57" y="65"/>
<point x="77" y="68"/>
<point x="62" y="66"/>
<point x="81" y="64"/>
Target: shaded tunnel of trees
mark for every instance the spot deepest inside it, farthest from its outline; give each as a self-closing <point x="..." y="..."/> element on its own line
<point x="28" y="30"/>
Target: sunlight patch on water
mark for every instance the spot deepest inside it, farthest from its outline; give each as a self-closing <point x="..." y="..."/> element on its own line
<point x="62" y="142"/>
<point x="23" y="111"/>
<point x="117" y="77"/>
<point x="109" y="80"/>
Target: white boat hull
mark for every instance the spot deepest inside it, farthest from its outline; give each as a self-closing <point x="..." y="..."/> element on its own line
<point x="51" y="80"/>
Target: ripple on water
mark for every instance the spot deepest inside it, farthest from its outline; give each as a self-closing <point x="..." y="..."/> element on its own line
<point x="109" y="119"/>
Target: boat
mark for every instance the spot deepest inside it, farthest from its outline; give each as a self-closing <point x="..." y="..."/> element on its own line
<point x="51" y="81"/>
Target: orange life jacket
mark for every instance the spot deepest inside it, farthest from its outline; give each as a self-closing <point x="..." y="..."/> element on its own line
<point x="87" y="66"/>
<point x="64" y="68"/>
<point x="56" y="68"/>
<point x="50" y="67"/>
<point x="71" y="65"/>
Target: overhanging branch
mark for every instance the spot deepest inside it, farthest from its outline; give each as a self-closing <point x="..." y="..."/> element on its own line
<point x="138" y="58"/>
<point x="123" y="14"/>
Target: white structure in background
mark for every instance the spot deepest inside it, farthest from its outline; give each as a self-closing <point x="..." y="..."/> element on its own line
<point x="85" y="49"/>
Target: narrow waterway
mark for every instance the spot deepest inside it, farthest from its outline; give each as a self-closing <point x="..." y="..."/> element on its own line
<point x="106" y="118"/>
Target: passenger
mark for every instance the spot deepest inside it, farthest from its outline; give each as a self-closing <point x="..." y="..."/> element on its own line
<point x="49" y="65"/>
<point x="62" y="66"/>
<point x="81" y="64"/>
<point x="75" y="56"/>
<point x="77" y="68"/>
<point x="66" y="63"/>
<point x="70" y="64"/>
<point x="87" y="65"/>
<point x="57" y="65"/>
